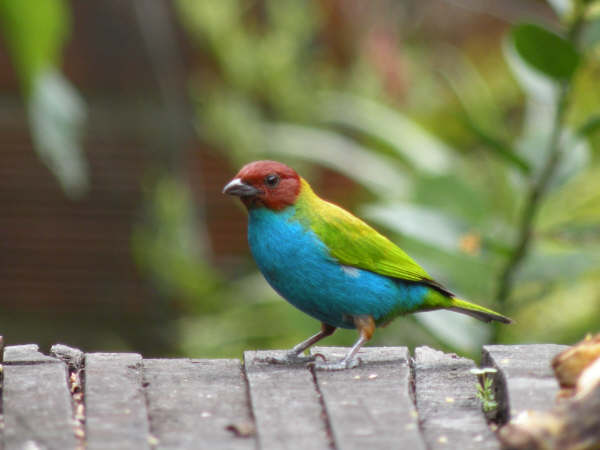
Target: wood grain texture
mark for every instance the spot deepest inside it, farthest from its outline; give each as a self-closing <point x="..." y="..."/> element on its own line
<point x="449" y="411"/>
<point x="525" y="379"/>
<point x="286" y="404"/>
<point x="192" y="403"/>
<point x="370" y="406"/>
<point x="116" y="415"/>
<point x="36" y="401"/>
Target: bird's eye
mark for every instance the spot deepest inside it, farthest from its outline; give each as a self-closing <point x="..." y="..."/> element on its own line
<point x="272" y="180"/>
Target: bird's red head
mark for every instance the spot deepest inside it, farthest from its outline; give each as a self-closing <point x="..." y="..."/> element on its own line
<point x="265" y="183"/>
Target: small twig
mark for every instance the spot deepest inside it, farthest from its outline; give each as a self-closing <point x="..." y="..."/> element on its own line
<point x="539" y="186"/>
<point x="535" y="194"/>
<point x="500" y="147"/>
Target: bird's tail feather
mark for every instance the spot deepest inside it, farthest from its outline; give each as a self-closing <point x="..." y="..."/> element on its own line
<point x="479" y="312"/>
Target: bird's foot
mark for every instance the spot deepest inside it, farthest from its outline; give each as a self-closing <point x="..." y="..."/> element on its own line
<point x="289" y="358"/>
<point x="342" y="364"/>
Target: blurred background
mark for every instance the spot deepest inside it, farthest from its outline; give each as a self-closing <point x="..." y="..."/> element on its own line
<point x="467" y="130"/>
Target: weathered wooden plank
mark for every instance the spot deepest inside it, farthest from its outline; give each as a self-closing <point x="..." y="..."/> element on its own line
<point x="72" y="357"/>
<point x="36" y="401"/>
<point x="525" y="379"/>
<point x="75" y="360"/>
<point x="449" y="411"/>
<point x="191" y="403"/>
<point x="285" y="403"/>
<point x="370" y="406"/>
<point x="116" y="415"/>
<point x="26" y="354"/>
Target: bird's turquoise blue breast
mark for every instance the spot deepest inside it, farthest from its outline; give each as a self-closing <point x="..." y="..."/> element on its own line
<point x="298" y="266"/>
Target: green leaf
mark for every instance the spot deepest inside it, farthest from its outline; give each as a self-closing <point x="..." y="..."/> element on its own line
<point x="503" y="149"/>
<point x="57" y="117"/>
<point x="574" y="207"/>
<point x="419" y="222"/>
<point x="590" y="126"/>
<point x="481" y="113"/>
<point x="545" y="51"/>
<point x="551" y="262"/>
<point x="35" y="33"/>
<point x="561" y="7"/>
<point x="416" y="145"/>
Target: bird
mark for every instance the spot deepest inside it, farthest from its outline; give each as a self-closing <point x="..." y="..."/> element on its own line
<point x="332" y="265"/>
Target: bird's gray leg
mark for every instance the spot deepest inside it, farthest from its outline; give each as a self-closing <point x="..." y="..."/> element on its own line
<point x="366" y="327"/>
<point x="326" y="330"/>
<point x="294" y="355"/>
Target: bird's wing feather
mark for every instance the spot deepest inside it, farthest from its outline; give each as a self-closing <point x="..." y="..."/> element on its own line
<point x="354" y="243"/>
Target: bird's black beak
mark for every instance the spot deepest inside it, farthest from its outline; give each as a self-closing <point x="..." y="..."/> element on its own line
<point x="241" y="189"/>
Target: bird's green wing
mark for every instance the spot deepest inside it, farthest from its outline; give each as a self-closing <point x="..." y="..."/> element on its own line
<point x="354" y="243"/>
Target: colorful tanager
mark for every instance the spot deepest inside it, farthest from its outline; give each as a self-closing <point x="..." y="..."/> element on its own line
<point x="330" y="264"/>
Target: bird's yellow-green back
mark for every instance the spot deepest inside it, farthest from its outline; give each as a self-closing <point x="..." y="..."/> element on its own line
<point x="351" y="241"/>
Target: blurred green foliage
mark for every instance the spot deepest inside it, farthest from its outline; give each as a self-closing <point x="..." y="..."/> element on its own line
<point x="165" y="244"/>
<point x="450" y="165"/>
<point x="480" y="156"/>
<point x="35" y="33"/>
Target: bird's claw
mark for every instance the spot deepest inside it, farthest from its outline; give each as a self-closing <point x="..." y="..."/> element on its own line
<point x="336" y="365"/>
<point x="289" y="359"/>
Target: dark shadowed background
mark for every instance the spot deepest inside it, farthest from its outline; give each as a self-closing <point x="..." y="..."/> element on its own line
<point x="467" y="130"/>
